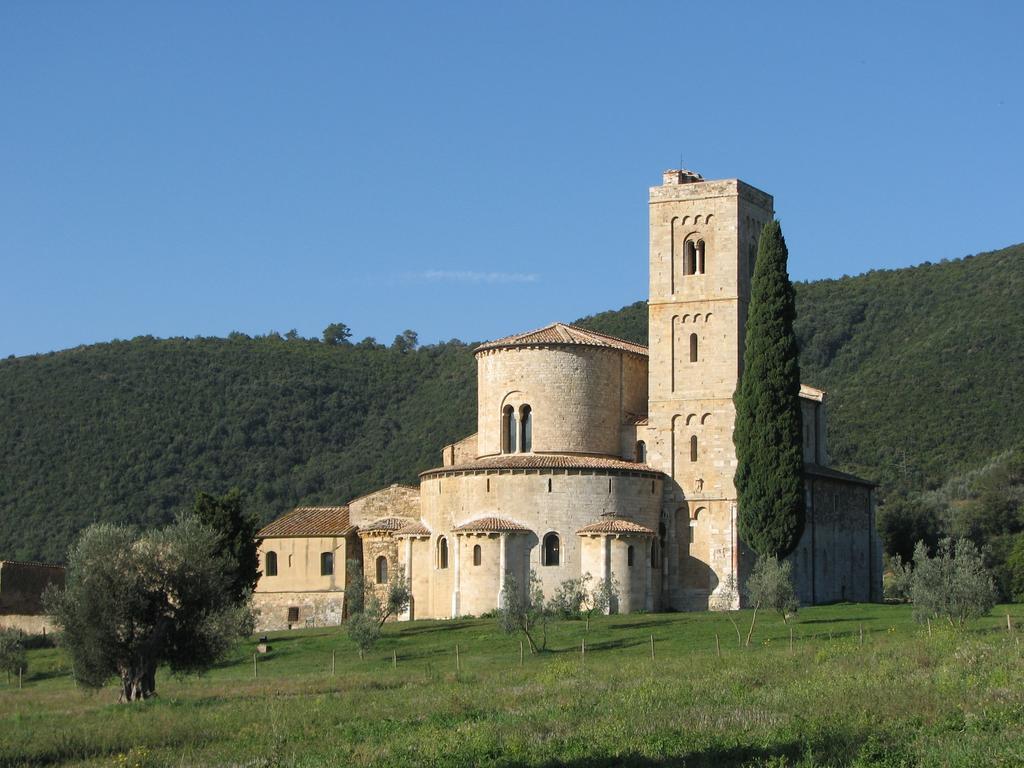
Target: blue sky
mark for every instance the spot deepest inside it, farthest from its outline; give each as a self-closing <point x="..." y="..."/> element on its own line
<point x="471" y="169"/>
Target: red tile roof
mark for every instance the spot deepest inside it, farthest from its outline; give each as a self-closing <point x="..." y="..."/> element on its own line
<point x="616" y="525"/>
<point x="309" y="521"/>
<point x="385" y="524"/>
<point x="558" y="334"/>
<point x="490" y="525"/>
<point x="543" y="461"/>
<point x="415" y="528"/>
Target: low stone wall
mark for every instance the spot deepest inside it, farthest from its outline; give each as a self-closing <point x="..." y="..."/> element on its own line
<point x="33" y="624"/>
<point x="307" y="609"/>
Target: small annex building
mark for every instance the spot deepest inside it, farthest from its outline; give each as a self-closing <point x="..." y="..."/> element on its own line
<point x="595" y="455"/>
<point x="21" y="594"/>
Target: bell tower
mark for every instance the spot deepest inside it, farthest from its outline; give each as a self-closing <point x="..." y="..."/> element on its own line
<point x="703" y="242"/>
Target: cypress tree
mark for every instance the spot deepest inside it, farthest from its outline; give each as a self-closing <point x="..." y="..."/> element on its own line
<point x="767" y="433"/>
<point x="236" y="537"/>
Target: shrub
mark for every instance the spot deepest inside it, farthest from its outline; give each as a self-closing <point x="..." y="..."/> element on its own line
<point x="525" y="610"/>
<point x="954" y="584"/>
<point x="898" y="580"/>
<point x="771" y="586"/>
<point x="12" y="652"/>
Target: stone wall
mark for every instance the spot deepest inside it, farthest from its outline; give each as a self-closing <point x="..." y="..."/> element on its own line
<point x="559" y="501"/>
<point x="393" y="501"/>
<point x="313" y="609"/>
<point x="578" y="396"/>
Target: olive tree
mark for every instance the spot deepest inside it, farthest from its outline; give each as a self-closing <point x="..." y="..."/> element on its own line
<point x="954" y="584"/>
<point x="135" y="601"/>
<point x="526" y="611"/>
<point x="12" y="653"/>
<point x="369" y="610"/>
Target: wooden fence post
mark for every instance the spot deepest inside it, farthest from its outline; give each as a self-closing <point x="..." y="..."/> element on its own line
<point x="520" y="653"/>
<point x="583" y="651"/>
<point x="790" y="639"/>
<point x="652" y="647"/>
<point x="394" y="659"/>
<point x="718" y="645"/>
<point x="255" y="673"/>
<point x="458" y="664"/>
<point x="333" y="662"/>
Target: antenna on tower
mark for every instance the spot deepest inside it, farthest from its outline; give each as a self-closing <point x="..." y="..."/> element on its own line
<point x="680" y="161"/>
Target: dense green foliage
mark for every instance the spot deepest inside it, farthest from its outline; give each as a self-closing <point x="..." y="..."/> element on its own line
<point x="130" y="431"/>
<point x="902" y="698"/>
<point x="771" y="586"/>
<point x="133" y="602"/>
<point x="923" y="368"/>
<point x="769" y="454"/>
<point x="236" y="538"/>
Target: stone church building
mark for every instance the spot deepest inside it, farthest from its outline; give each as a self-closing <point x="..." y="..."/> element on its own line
<point x="595" y="455"/>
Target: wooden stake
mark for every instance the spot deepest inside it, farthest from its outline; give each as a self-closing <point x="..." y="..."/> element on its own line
<point x="652" y="647"/>
<point x="520" y="653"/>
<point x="929" y="620"/>
<point x="718" y="645"/>
<point x="1009" y="626"/>
<point x="255" y="673"/>
<point x="333" y="662"/>
<point x="19" y="678"/>
<point x="458" y="664"/>
<point x="790" y="639"/>
<point x="394" y="659"/>
<point x="862" y="634"/>
<point x="583" y="651"/>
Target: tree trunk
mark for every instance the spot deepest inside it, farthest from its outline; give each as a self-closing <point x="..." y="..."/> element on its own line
<point x="752" y="620"/>
<point x="138" y="682"/>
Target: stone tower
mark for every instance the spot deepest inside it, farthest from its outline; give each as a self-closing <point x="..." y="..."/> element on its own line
<point x="703" y="241"/>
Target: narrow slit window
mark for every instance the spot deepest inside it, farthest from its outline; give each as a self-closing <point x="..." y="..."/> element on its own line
<point x="693" y="447"/>
<point x="629" y="556"/>
<point x="693" y="347"/>
<point x="550" y="554"/>
<point x="477" y="555"/>
<point x="508" y="429"/>
<point x="526" y="429"/>
<point x="689" y="258"/>
<point x="641" y="451"/>
<point x="442" y="552"/>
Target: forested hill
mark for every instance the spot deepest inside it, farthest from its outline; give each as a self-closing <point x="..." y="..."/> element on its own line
<point x="925" y="368"/>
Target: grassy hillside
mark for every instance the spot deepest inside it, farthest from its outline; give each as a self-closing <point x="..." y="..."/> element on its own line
<point x="925" y="367"/>
<point x="902" y="697"/>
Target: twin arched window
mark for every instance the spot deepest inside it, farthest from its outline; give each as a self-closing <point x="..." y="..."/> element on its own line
<point x="516" y="435"/>
<point x="550" y="550"/>
<point x="693" y="257"/>
<point x="326" y="563"/>
<point x="382" y="570"/>
<point x="442" y="552"/>
<point x="271" y="564"/>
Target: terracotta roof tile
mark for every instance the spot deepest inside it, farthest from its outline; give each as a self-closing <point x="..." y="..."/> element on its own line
<point x="415" y="528"/>
<point x="559" y="334"/>
<point x="309" y="521"/>
<point x="490" y="525"/>
<point x="616" y="525"/>
<point x="385" y="524"/>
<point x="543" y="461"/>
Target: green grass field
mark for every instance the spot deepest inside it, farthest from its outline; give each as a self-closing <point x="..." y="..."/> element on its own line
<point x="900" y="698"/>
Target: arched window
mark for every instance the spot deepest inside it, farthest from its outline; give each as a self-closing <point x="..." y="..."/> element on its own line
<point x="326" y="563"/>
<point x="526" y="429"/>
<point x="442" y="552"/>
<point x="477" y="555"/>
<point x="693" y="347"/>
<point x="629" y="555"/>
<point x="689" y="258"/>
<point x="508" y="429"/>
<point x="700" y="257"/>
<point x="641" y="451"/>
<point x="382" y="570"/>
<point x="693" y="447"/>
<point x="550" y="550"/>
<point x="271" y="564"/>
